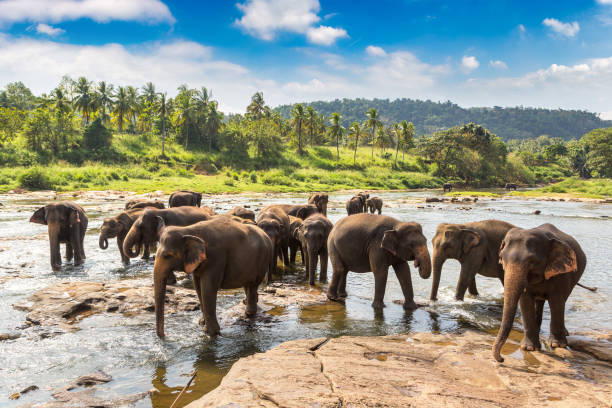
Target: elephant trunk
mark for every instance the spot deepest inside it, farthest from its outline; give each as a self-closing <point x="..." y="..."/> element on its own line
<point x="514" y="285"/>
<point x="133" y="238"/>
<point x="438" y="261"/>
<point x="103" y="241"/>
<point x="54" y="244"/>
<point x="422" y="260"/>
<point x="312" y="263"/>
<point x="160" y="297"/>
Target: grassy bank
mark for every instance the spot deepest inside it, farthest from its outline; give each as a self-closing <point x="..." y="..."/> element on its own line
<point x="572" y="187"/>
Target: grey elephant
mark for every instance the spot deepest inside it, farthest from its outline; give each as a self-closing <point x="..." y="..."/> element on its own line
<point x="372" y="243"/>
<point x="540" y="264"/>
<point x="118" y="226"/>
<point x="355" y="205"/>
<point x="447" y="187"/>
<point x="475" y="246"/>
<point x="242" y="212"/>
<point x="294" y="239"/>
<point x="275" y="222"/>
<point x="511" y="186"/>
<point x="374" y="204"/>
<point x="320" y="200"/>
<point x="364" y="197"/>
<point x="301" y="211"/>
<point x="140" y="203"/>
<point x="313" y="236"/>
<point x="66" y="223"/>
<point x="185" y="198"/>
<point x="220" y="254"/>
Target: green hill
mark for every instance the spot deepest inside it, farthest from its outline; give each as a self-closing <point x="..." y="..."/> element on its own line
<point x="428" y="117"/>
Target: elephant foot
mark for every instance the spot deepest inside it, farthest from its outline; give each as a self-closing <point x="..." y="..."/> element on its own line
<point x="250" y="312"/>
<point x="378" y="304"/>
<point x="530" y="345"/>
<point x="408" y="306"/>
<point x="78" y="262"/>
<point x="557" y="342"/>
<point x="202" y="321"/>
<point x="335" y="298"/>
<point x="213" y="329"/>
<point x="342" y="294"/>
<point x="312" y="282"/>
<point x="56" y="268"/>
<point x="125" y="262"/>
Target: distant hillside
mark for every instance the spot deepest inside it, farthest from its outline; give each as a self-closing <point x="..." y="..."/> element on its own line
<point x="428" y="117"/>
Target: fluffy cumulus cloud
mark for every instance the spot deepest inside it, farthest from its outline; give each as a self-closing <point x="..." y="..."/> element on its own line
<point x="559" y="27"/>
<point x="469" y="63"/>
<point x="498" y="64"/>
<point x="264" y="19"/>
<point x="46" y="29"/>
<point x="55" y="11"/>
<point x="375" y="51"/>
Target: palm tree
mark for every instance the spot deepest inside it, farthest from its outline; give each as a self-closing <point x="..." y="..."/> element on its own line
<point x="355" y="131"/>
<point x="186" y="111"/>
<point x="61" y="106"/>
<point x="407" y="136"/>
<point x="299" y="116"/>
<point x="134" y="106"/>
<point x="311" y="122"/>
<point x="122" y="107"/>
<point x="148" y="93"/>
<point x="336" y="130"/>
<point x="381" y="138"/>
<point x="257" y="107"/>
<point x="83" y="101"/>
<point x="397" y="131"/>
<point x="201" y="101"/>
<point x="103" y="99"/>
<point x="373" y="122"/>
<point x="163" y="110"/>
<point x="213" y="122"/>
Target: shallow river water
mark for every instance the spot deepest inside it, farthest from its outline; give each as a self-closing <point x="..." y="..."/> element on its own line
<point x="127" y="348"/>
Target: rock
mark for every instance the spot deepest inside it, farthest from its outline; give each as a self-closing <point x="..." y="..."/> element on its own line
<point x="9" y="336"/>
<point x="537" y="212"/>
<point x="432" y="200"/>
<point x="417" y="370"/>
<point x="601" y="348"/>
<point x="65" y="303"/>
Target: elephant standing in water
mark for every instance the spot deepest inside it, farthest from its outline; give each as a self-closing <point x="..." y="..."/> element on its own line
<point x="67" y="223"/>
<point x="511" y="186"/>
<point x="374" y="204"/>
<point x="144" y="204"/>
<point x="275" y="222"/>
<point x="313" y="234"/>
<point x="320" y="200"/>
<point x="372" y="243"/>
<point x="355" y="205"/>
<point x="294" y="239"/>
<point x="540" y="264"/>
<point x="242" y="212"/>
<point x="118" y="226"/>
<point x="185" y="198"/>
<point x="475" y="245"/>
<point x="447" y="187"/>
<point x="220" y="254"/>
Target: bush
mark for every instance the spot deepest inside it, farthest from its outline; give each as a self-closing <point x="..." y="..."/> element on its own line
<point x="96" y="136"/>
<point x="253" y="177"/>
<point x="36" y="179"/>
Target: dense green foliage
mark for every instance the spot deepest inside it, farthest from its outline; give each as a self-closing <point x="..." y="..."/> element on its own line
<point x="429" y="117"/>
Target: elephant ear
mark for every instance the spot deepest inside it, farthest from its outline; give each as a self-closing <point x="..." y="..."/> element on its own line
<point x="161" y="226"/>
<point x="195" y="252"/>
<point x="74" y="216"/>
<point x="501" y="248"/>
<point x="390" y="242"/>
<point x="124" y="219"/>
<point x="469" y="240"/>
<point x="561" y="259"/>
<point x="39" y="216"/>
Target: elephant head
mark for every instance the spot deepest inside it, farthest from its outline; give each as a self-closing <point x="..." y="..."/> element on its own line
<point x="529" y="257"/>
<point x="320" y="200"/>
<point x="145" y="230"/>
<point x="176" y="251"/>
<point x="272" y="228"/>
<point x="112" y="227"/>
<point x="407" y="242"/>
<point x="306" y="211"/>
<point x="452" y="241"/>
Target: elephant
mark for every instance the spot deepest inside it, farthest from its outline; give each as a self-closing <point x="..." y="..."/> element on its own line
<point x="145" y="229"/>
<point x="242" y="212"/>
<point x="294" y="239"/>
<point x="540" y="264"/>
<point x="374" y="204"/>
<point x="185" y="198"/>
<point x="275" y="222"/>
<point x="118" y="226"/>
<point x="67" y="223"/>
<point x="355" y="205"/>
<point x="313" y="236"/>
<point x="372" y="243"/>
<point x="144" y="204"/>
<point x="320" y="200"/>
<point x="301" y="211"/>
<point x="219" y="254"/>
<point x="365" y="197"/>
<point x="475" y="246"/>
<point x="447" y="187"/>
<point x="511" y="186"/>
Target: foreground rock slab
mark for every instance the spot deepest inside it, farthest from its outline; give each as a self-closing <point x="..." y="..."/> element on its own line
<point x="418" y="370"/>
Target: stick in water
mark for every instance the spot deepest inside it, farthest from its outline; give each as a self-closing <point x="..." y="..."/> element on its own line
<point x="183" y="390"/>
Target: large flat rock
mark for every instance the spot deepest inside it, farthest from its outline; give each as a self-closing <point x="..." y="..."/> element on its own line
<point x="417" y="370"/>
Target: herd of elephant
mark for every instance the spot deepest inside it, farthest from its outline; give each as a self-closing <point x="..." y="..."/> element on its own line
<point x="239" y="249"/>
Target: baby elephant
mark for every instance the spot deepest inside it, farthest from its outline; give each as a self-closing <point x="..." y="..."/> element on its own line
<point x="119" y="226"/>
<point x="66" y="222"/>
<point x="540" y="264"/>
<point x="374" y="204"/>
<point x="372" y="243"/>
<point x="184" y="198"/>
<point x="313" y="236"/>
<point x="139" y="203"/>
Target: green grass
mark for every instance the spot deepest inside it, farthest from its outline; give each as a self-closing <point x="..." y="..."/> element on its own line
<point x="473" y="194"/>
<point x="572" y="187"/>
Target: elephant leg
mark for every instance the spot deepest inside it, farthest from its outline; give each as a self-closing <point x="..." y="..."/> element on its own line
<point x="273" y="262"/>
<point x="338" y="271"/>
<point x="380" y="285"/>
<point x="76" y="243"/>
<point x="198" y="289"/>
<point x="531" y="339"/>
<point x="124" y="258"/>
<point x="342" y="285"/>
<point x="557" y="322"/>
<point x="539" y="311"/>
<point x="292" y="253"/>
<point x="472" y="289"/>
<point x="69" y="252"/>
<point x="285" y="250"/>
<point x="302" y="254"/>
<point x="251" y="300"/>
<point x="146" y="251"/>
<point x="402" y="271"/>
<point x="209" y="286"/>
<point x="323" y="273"/>
<point x="466" y="276"/>
<point x="82" y="240"/>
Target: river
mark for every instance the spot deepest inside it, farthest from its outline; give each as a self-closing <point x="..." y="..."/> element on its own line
<point x="127" y="348"/>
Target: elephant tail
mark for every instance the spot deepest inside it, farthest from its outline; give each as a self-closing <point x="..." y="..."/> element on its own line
<point x="591" y="288"/>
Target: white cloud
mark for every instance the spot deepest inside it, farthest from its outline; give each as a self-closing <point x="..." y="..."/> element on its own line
<point x="498" y="64"/>
<point x="566" y="29"/>
<point x="469" y="63"/>
<point x="46" y="29"/>
<point x="324" y="35"/>
<point x="606" y="115"/>
<point x="375" y="51"/>
<point x="264" y="19"/>
<point x="102" y="11"/>
<point x="606" y="2"/>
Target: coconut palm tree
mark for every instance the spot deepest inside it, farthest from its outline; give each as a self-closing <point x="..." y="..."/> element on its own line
<point x="149" y="94"/>
<point x="213" y="122"/>
<point x="257" y="107"/>
<point x="407" y="130"/>
<point x="201" y="100"/>
<point x="299" y="116"/>
<point x="103" y="99"/>
<point x="311" y="122"/>
<point x="355" y="131"/>
<point x="84" y="98"/>
<point x="134" y="106"/>
<point x="373" y="122"/>
<point x="163" y="110"/>
<point x="336" y="130"/>
<point x="186" y="112"/>
<point x="122" y="107"/>
<point x="397" y="131"/>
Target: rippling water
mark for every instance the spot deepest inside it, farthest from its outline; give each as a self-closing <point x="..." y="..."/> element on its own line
<point x="128" y="350"/>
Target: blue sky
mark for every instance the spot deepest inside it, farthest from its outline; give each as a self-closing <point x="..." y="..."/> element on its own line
<point x="554" y="54"/>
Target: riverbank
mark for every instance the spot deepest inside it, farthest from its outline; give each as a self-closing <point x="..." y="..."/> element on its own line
<point x="420" y="369"/>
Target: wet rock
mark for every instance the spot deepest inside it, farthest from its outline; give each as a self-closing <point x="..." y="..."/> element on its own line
<point x="432" y="200"/>
<point x="9" y="336"/>
<point x="420" y="370"/>
<point x="66" y="303"/>
<point x="537" y="212"/>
